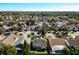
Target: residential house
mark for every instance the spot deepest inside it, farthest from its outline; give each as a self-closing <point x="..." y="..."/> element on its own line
<point x="74" y="41"/>
<point x="9" y="40"/>
<point x="39" y="44"/>
<point x="19" y="43"/>
<point x="1" y="24"/>
<point x="56" y="45"/>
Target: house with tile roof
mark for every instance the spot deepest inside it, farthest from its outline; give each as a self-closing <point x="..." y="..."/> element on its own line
<point x="57" y="45"/>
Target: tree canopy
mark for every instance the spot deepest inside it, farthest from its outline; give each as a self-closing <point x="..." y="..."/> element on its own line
<point x="74" y="50"/>
<point x="25" y="48"/>
<point x="9" y="50"/>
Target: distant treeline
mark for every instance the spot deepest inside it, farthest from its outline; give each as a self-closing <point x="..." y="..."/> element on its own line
<point x="73" y="14"/>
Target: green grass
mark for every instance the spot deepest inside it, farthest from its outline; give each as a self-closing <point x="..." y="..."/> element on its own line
<point x="38" y="52"/>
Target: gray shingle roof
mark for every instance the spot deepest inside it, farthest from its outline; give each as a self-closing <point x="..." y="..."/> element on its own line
<point x="39" y="43"/>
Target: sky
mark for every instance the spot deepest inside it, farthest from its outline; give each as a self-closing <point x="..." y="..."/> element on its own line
<point x="39" y="6"/>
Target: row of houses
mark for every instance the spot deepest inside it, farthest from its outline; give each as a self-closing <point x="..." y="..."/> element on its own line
<point x="56" y="45"/>
<point x="52" y="43"/>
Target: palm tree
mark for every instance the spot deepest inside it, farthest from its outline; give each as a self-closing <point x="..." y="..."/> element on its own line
<point x="25" y="48"/>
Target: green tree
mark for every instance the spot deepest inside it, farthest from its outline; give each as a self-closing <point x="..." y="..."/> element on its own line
<point x="71" y="51"/>
<point x="10" y="50"/>
<point x="1" y="50"/>
<point x="30" y="22"/>
<point x="43" y="31"/>
<point x="1" y="30"/>
<point x="17" y="27"/>
<point x="25" y="48"/>
<point x="66" y="51"/>
<point x="73" y="21"/>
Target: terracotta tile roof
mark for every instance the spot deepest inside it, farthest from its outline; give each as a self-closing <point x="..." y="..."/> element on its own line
<point x="9" y="40"/>
<point x="57" y="41"/>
